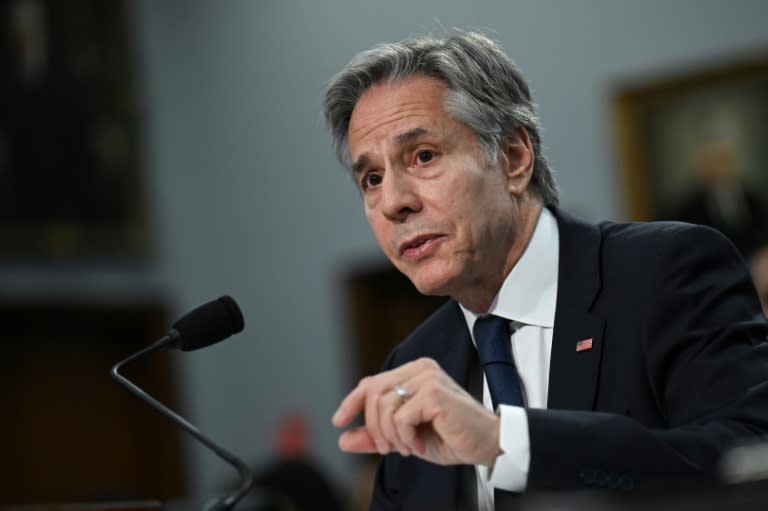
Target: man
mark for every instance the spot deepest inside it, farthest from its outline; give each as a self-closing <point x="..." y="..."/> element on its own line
<point x="636" y="354"/>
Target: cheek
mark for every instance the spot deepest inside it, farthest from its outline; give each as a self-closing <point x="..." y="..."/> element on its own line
<point x="462" y="204"/>
<point x="381" y="230"/>
<point x="477" y="215"/>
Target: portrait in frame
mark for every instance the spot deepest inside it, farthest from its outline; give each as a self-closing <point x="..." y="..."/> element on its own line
<point x="692" y="147"/>
<point x="70" y="182"/>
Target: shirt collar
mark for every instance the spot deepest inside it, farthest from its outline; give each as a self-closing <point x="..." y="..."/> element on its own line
<point x="529" y="293"/>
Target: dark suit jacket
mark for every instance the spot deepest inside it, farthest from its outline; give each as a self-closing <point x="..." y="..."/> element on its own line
<point x="677" y="373"/>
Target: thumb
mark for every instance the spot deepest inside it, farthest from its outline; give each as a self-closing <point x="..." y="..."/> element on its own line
<point x="357" y="440"/>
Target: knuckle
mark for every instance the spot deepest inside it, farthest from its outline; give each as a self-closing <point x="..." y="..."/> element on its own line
<point x="432" y="390"/>
<point x="428" y="363"/>
<point x="427" y="366"/>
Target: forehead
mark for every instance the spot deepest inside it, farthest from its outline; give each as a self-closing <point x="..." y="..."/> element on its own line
<point x="387" y="108"/>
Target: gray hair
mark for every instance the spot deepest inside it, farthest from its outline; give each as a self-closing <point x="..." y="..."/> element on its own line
<point x="486" y="91"/>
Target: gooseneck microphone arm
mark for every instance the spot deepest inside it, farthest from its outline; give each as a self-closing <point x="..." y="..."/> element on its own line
<point x="181" y="339"/>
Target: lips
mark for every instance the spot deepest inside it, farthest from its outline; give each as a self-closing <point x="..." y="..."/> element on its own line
<point x="420" y="246"/>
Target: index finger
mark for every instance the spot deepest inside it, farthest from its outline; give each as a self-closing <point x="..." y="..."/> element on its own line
<point x="351" y="405"/>
<point x="354" y="403"/>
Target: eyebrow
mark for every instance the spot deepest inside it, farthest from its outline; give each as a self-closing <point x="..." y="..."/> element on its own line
<point x="360" y="164"/>
<point x="404" y="138"/>
<point x="399" y="139"/>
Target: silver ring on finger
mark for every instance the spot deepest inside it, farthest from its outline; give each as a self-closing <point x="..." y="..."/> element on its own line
<point x="400" y="391"/>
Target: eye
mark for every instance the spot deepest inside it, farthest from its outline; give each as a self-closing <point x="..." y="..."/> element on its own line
<point x="370" y="180"/>
<point x="425" y="156"/>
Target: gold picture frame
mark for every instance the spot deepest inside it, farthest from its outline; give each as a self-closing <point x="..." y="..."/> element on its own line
<point x="687" y="137"/>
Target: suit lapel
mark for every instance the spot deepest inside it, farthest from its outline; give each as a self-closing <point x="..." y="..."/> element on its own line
<point x="461" y="356"/>
<point x="461" y="364"/>
<point x="577" y="340"/>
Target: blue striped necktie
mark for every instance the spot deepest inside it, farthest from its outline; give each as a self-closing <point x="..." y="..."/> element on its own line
<point x="495" y="352"/>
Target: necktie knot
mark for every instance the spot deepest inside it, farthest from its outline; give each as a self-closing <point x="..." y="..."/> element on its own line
<point x="494" y="350"/>
<point x="492" y="339"/>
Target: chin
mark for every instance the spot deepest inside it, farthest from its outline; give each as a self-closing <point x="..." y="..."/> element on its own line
<point x="431" y="277"/>
<point x="431" y="285"/>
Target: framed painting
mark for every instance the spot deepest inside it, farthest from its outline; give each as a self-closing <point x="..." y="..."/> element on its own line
<point x="70" y="180"/>
<point x="692" y="147"/>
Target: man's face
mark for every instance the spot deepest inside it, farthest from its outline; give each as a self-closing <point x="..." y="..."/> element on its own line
<point x="440" y="211"/>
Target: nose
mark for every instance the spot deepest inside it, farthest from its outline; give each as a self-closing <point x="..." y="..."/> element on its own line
<point x="400" y="197"/>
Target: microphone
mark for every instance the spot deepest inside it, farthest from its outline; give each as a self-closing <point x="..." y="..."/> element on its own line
<point x="208" y="324"/>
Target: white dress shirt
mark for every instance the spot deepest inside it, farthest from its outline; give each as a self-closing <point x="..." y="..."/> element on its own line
<point x="527" y="298"/>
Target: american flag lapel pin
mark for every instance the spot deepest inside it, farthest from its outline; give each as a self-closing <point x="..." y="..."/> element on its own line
<point x="584" y="345"/>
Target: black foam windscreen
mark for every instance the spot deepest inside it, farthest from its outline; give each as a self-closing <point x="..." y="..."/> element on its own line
<point x="209" y="323"/>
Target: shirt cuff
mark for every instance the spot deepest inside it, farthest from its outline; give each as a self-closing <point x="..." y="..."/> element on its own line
<point x="510" y="472"/>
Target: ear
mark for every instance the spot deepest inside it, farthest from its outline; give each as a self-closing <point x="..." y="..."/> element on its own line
<point x="517" y="158"/>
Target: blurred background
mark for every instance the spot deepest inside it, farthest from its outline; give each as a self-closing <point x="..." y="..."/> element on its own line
<point x="157" y="154"/>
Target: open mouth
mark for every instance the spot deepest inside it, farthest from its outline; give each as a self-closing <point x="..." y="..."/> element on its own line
<point x="419" y="246"/>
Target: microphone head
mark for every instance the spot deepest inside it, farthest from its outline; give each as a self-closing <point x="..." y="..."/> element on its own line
<point x="209" y="323"/>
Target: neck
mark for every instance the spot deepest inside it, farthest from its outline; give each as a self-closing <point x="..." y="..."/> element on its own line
<point x="479" y="298"/>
